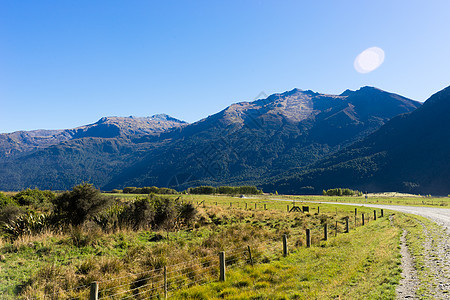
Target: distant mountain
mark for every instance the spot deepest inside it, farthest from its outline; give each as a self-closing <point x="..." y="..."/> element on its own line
<point x="247" y="142"/>
<point x="20" y="142"/>
<point x="250" y="141"/>
<point x="410" y="153"/>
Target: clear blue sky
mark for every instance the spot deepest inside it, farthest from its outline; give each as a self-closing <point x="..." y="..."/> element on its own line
<point x="67" y="63"/>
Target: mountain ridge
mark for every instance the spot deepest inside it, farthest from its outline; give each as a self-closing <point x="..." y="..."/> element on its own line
<point x="243" y="143"/>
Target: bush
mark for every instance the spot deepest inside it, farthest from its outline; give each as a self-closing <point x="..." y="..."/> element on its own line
<point x="6" y="201"/>
<point x="9" y="213"/>
<point x="27" y="224"/>
<point x="341" y="192"/>
<point x="138" y="214"/>
<point x="229" y="190"/>
<point x="149" y="190"/>
<point x="80" y="204"/>
<point x="36" y="198"/>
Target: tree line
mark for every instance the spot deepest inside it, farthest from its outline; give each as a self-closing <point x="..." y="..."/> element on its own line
<point x="200" y="190"/>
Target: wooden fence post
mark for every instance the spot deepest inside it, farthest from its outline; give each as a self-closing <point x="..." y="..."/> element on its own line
<point x="94" y="291"/>
<point x="346" y="225"/>
<point x="285" y="249"/>
<point x="382" y="213"/>
<point x="245" y="205"/>
<point x="363" y="220"/>
<point x="231" y="204"/>
<point x="374" y="215"/>
<point x="222" y="265"/>
<point x="325" y="232"/>
<point x="308" y="238"/>
<point x="318" y="209"/>
<point x="165" y="282"/>
<point x="336" y="228"/>
<point x="250" y="255"/>
<point x="255" y="206"/>
<point x="288" y="208"/>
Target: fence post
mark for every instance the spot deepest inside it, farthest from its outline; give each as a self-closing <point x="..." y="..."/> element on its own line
<point x="94" y="291"/>
<point x="325" y="232"/>
<point x="255" y="206"/>
<point x="216" y="203"/>
<point x="318" y="209"/>
<point x="288" y="208"/>
<point x="308" y="238"/>
<point x="382" y="213"/>
<point x="363" y="220"/>
<point x="265" y="206"/>
<point x="356" y="219"/>
<point x="222" y="265"/>
<point x="165" y="282"/>
<point x="231" y="204"/>
<point x="346" y="225"/>
<point x="336" y="228"/>
<point x="245" y="205"/>
<point x="374" y="215"/>
<point x="250" y="255"/>
<point x="285" y="249"/>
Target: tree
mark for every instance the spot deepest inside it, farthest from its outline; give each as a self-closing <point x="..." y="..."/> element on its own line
<point x="80" y="204"/>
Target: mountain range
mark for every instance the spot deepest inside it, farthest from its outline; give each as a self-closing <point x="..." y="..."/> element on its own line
<point x="410" y="153"/>
<point x="294" y="142"/>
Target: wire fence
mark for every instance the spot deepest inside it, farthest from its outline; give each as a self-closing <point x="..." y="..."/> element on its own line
<point x="163" y="282"/>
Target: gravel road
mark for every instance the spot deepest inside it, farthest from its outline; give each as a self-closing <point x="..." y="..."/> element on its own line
<point x="437" y="251"/>
<point x="439" y="215"/>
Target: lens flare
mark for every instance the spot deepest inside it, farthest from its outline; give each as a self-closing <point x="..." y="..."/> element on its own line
<point x="369" y="60"/>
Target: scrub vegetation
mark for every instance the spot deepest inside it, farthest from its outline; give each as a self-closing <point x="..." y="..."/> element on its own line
<point x="55" y="245"/>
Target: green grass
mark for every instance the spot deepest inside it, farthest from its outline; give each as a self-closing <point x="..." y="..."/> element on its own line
<point x="363" y="264"/>
<point x="359" y="265"/>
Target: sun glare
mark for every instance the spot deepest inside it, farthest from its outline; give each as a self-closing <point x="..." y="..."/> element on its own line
<point x="369" y="60"/>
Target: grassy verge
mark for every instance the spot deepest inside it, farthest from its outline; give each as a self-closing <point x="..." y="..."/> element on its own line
<point x="363" y="264"/>
<point x="57" y="265"/>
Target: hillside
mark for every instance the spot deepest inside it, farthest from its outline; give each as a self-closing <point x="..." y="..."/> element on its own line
<point x="244" y="143"/>
<point x="408" y="154"/>
<point x="250" y="141"/>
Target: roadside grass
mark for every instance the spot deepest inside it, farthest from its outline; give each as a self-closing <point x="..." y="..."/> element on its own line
<point x="57" y="264"/>
<point x="363" y="264"/>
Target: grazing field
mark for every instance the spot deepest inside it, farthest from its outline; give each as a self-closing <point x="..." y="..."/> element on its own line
<point x="130" y="262"/>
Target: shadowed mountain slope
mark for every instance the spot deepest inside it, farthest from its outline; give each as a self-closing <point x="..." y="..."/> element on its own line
<point x="411" y="153"/>
<point x="245" y="143"/>
<point x="250" y="141"/>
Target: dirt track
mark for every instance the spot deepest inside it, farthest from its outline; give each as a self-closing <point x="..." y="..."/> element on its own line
<point x="437" y="251"/>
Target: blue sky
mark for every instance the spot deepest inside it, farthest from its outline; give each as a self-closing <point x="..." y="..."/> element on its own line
<point x="68" y="63"/>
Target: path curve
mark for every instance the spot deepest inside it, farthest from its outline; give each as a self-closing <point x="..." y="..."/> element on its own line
<point x="437" y="251"/>
<point x="436" y="214"/>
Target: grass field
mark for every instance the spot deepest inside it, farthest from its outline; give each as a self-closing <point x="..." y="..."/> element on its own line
<point x="357" y="265"/>
<point x="414" y="200"/>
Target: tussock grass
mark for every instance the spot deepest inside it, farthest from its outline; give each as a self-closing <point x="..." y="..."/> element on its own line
<point x="360" y="265"/>
<point x="62" y="265"/>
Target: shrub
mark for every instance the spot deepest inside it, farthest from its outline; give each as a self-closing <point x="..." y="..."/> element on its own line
<point x="36" y="198"/>
<point x="80" y="204"/>
<point x="138" y="214"/>
<point x="6" y="201"/>
<point x="148" y="190"/>
<point x="9" y="213"/>
<point x="27" y="224"/>
<point x="230" y="190"/>
<point x="340" y="192"/>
